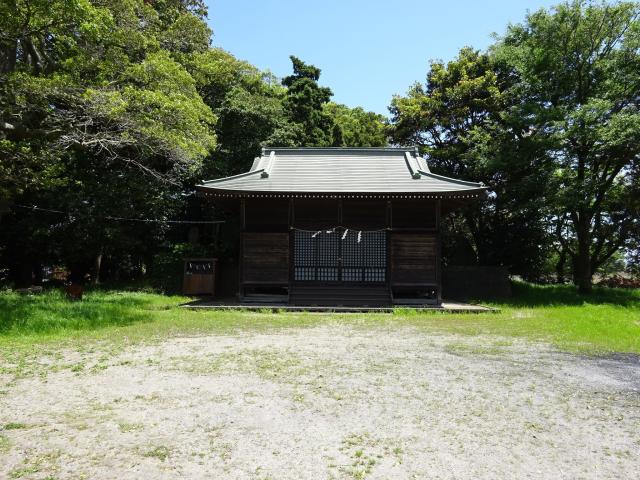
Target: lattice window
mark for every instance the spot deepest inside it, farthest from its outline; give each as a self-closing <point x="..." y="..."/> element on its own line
<point x="305" y="249"/>
<point x="328" y="257"/>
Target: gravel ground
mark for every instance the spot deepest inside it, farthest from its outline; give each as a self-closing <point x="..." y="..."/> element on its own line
<point x="327" y="402"/>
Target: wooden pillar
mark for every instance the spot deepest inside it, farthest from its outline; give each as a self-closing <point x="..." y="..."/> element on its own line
<point x="291" y="213"/>
<point x="291" y="246"/>
<point x="389" y="214"/>
<point x="243" y="227"/>
<point x="438" y="251"/>
<point x="389" y="265"/>
<point x="243" y="216"/>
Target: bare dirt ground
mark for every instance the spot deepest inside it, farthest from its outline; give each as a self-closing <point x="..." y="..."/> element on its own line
<point x="327" y="402"/>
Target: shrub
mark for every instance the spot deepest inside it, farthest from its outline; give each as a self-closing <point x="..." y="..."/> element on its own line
<point x="166" y="269"/>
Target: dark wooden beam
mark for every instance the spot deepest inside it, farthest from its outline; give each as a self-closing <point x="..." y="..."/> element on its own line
<point x="438" y="213"/>
<point x="292" y="240"/>
<point x="243" y="215"/>
<point x="243" y="226"/>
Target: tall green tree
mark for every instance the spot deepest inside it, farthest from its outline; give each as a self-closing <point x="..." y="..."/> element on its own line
<point x="355" y="127"/>
<point x="248" y="104"/>
<point x="576" y="71"/>
<point x="459" y="120"/>
<point x="98" y="117"/>
<point x="310" y="125"/>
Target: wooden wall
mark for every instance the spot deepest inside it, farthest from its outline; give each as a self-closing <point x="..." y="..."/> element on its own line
<point x="413" y="238"/>
<point x="265" y="258"/>
<point x="414" y="214"/>
<point x="413" y="259"/>
<point x="311" y="214"/>
<point x="364" y="214"/>
<point x="276" y="215"/>
<point x="266" y="215"/>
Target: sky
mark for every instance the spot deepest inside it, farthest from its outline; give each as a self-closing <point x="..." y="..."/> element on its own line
<point x="367" y="50"/>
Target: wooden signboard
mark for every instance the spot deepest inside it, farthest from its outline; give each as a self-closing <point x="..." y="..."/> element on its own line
<point x="199" y="276"/>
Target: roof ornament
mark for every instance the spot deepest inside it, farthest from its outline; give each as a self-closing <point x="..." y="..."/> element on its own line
<point x="423" y="161"/>
<point x="267" y="168"/>
<point x="412" y="165"/>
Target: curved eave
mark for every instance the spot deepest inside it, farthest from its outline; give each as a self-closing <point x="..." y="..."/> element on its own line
<point x="470" y="193"/>
<point x="452" y="180"/>
<point x="251" y="173"/>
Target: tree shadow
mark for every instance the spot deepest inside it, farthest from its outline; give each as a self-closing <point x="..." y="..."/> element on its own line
<point x="51" y="311"/>
<point x="531" y="295"/>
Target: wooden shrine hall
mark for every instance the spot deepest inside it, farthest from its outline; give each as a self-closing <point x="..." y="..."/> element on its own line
<point x="341" y="226"/>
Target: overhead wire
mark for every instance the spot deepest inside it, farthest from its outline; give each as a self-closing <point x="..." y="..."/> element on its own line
<point x="123" y="219"/>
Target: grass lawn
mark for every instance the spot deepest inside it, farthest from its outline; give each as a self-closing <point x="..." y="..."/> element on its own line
<point x="128" y="385"/>
<point x="605" y="322"/>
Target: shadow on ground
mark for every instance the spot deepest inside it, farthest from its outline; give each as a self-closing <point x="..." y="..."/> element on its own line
<point x="52" y="311"/>
<point x="529" y="295"/>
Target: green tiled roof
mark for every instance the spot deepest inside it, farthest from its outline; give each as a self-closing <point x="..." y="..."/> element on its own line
<point x="341" y="172"/>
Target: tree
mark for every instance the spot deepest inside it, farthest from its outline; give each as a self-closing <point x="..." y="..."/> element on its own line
<point x="460" y="120"/>
<point x="248" y="104"/>
<point x="99" y="118"/>
<point x="304" y="102"/>
<point x="576" y="72"/>
<point x="354" y="127"/>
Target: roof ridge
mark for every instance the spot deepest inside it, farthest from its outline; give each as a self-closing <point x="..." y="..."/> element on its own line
<point x="239" y="175"/>
<point x="338" y="149"/>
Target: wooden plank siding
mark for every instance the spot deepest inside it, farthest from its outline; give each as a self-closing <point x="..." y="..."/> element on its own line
<point x="364" y="214"/>
<point x="316" y="214"/>
<point x="265" y="258"/>
<point x="414" y="215"/>
<point x="413" y="259"/>
<point x="412" y="245"/>
<point x="267" y="215"/>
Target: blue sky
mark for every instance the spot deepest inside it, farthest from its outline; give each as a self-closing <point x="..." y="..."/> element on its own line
<point x="367" y="50"/>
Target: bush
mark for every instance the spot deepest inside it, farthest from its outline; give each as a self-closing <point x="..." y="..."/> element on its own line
<point x="619" y="281"/>
<point x="166" y="269"/>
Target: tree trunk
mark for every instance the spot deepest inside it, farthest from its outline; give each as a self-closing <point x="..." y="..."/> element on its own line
<point x="36" y="58"/>
<point x="477" y="246"/>
<point x="583" y="273"/>
<point x="560" y="266"/>
<point x="96" y="268"/>
<point x="583" y="276"/>
<point x="9" y="51"/>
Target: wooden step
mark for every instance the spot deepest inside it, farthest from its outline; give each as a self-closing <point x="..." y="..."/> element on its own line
<point x="337" y="295"/>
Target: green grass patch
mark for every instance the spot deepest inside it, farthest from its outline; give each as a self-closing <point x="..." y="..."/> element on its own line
<point x="606" y="321"/>
<point x="15" y="426"/>
<point x="161" y="453"/>
<point x="5" y="444"/>
<point x="130" y="427"/>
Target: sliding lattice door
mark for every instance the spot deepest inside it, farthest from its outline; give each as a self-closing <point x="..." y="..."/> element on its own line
<point x="335" y="257"/>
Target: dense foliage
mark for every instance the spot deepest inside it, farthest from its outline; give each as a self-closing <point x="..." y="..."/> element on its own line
<point x="549" y="118"/>
<point x="115" y="109"/>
